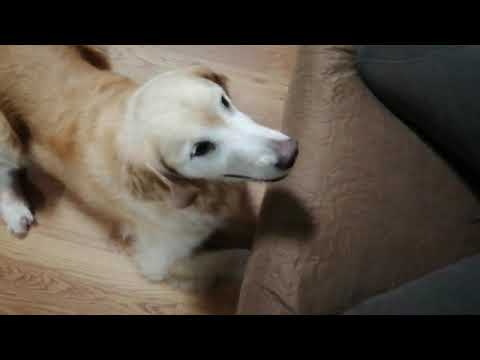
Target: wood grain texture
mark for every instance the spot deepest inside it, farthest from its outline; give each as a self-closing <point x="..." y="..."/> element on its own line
<point x="69" y="264"/>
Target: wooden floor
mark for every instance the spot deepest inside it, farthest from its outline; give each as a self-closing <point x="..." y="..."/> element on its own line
<point x="69" y="265"/>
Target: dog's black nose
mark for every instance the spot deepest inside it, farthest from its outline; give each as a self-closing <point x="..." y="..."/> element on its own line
<point x="287" y="154"/>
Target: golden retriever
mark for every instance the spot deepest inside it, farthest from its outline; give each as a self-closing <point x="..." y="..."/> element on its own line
<point x="167" y="159"/>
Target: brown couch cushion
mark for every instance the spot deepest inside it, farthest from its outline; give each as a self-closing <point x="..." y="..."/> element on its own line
<point x="368" y="207"/>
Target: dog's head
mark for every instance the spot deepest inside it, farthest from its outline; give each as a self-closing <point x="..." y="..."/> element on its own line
<point x="184" y="124"/>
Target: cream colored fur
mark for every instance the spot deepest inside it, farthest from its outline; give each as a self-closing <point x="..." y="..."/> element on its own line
<point x="124" y="149"/>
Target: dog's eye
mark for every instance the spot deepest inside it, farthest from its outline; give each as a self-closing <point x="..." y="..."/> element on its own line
<point x="225" y="102"/>
<point x="203" y="148"/>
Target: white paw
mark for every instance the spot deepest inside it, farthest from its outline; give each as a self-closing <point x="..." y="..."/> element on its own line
<point x="18" y="218"/>
<point x="151" y="266"/>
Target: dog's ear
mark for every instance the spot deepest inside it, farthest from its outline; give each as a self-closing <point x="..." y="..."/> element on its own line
<point x="208" y="74"/>
<point x="94" y="56"/>
<point x="151" y="185"/>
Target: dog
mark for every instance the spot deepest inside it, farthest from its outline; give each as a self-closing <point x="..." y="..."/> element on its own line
<point x="168" y="159"/>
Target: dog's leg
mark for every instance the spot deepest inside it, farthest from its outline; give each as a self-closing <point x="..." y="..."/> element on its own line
<point x="14" y="210"/>
<point x="173" y="259"/>
<point x="157" y="250"/>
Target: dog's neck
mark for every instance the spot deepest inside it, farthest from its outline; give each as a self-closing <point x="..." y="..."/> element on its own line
<point x="131" y="142"/>
<point x="112" y="127"/>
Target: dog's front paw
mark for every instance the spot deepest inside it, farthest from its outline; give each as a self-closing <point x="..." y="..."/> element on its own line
<point x="18" y="217"/>
<point x="151" y="264"/>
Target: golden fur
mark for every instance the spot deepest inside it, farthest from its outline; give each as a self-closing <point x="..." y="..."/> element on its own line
<point x="74" y="108"/>
<point x="61" y="109"/>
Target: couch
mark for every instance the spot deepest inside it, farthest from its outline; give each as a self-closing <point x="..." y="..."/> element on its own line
<point x="369" y="209"/>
